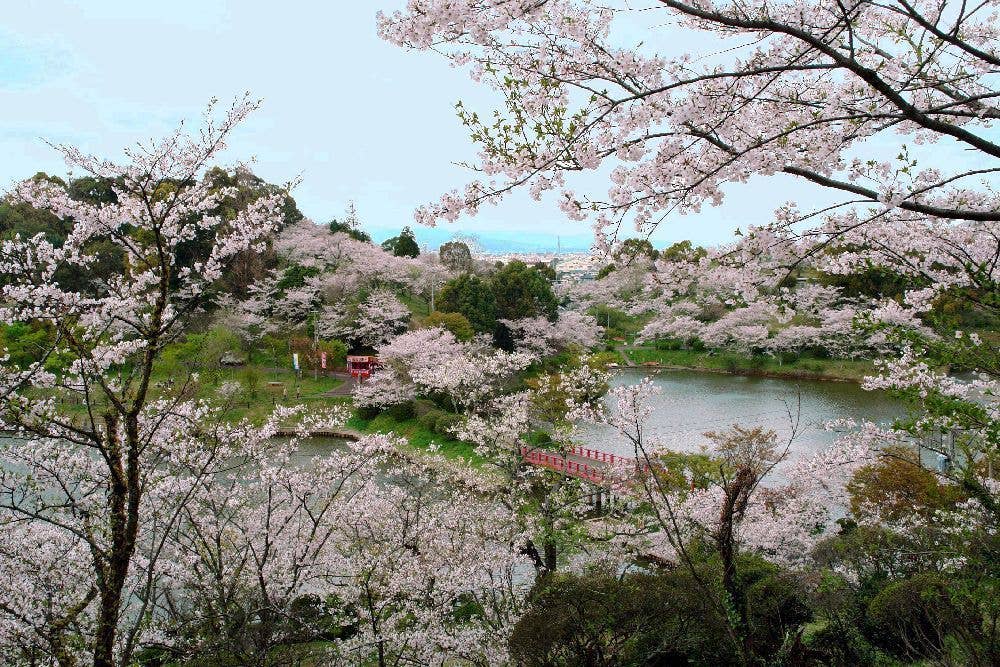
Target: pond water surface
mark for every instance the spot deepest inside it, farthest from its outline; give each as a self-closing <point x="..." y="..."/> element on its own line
<point x="693" y="402"/>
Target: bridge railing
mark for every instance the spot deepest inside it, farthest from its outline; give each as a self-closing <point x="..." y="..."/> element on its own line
<point x="597" y="455"/>
<point x="561" y="464"/>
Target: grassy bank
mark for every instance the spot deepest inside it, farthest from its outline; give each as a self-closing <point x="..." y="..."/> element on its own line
<point x="853" y="370"/>
<point x="420" y="437"/>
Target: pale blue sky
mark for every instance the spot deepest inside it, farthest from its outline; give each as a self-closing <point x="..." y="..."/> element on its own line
<point x="355" y="117"/>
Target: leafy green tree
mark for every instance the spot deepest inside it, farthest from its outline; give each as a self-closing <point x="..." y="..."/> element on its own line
<point x="456" y="256"/>
<point x="349" y="225"/>
<point x="404" y="245"/>
<point x="473" y="297"/>
<point x="523" y="291"/>
<point x="337" y="226"/>
<point x="606" y="271"/>
<point x="545" y="268"/>
<point x="630" y="249"/>
<point x="661" y="618"/>
<point x="683" y="251"/>
<point x="898" y="487"/>
<point x="249" y="188"/>
<point x="295" y="276"/>
<point x="249" y="266"/>
<point x="92" y="189"/>
<point x="22" y="219"/>
<point x="457" y="323"/>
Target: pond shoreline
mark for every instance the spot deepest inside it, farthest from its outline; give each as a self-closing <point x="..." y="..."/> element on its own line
<point x="745" y="372"/>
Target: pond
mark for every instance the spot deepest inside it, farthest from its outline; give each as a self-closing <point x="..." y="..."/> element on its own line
<point x="693" y="402"/>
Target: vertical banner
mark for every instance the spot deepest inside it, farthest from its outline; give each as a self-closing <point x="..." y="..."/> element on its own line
<point x="322" y="360"/>
<point x="295" y="360"/>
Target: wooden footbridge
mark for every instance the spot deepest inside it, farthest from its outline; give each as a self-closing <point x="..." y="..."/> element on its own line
<point x="581" y="462"/>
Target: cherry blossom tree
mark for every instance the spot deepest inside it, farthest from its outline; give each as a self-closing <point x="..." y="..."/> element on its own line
<point x="432" y="360"/>
<point x="333" y="269"/>
<point x="800" y="89"/>
<point x="103" y="480"/>
<point x="133" y="516"/>
<point x="752" y="497"/>
<point x="377" y="319"/>
<point x="542" y="337"/>
<point x="551" y="504"/>
<point x="373" y="552"/>
<point x="859" y="99"/>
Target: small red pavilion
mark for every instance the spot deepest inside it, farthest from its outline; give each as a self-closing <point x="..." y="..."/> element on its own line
<point x="361" y="366"/>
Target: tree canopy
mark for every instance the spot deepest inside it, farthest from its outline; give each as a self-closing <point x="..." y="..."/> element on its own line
<point x="404" y="245"/>
<point x="456" y="256"/>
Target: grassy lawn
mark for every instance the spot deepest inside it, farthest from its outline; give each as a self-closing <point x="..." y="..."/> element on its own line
<point x="419" y="437"/>
<point x="842" y="369"/>
<point x="257" y="403"/>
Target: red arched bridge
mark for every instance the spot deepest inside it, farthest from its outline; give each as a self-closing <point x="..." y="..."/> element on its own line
<point x="581" y="462"/>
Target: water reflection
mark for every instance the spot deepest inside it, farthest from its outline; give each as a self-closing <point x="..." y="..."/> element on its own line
<point x="692" y="403"/>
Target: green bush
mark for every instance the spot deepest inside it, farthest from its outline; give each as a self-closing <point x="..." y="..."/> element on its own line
<point x="841" y="644"/>
<point x="913" y="618"/>
<point x="368" y="412"/>
<point x="539" y="438"/>
<point x="669" y="344"/>
<point x="456" y="323"/>
<point x="788" y="357"/>
<point x="422" y="407"/>
<point x="402" y="411"/>
<point x="446" y="423"/>
<point x="774" y="604"/>
<point x="429" y="420"/>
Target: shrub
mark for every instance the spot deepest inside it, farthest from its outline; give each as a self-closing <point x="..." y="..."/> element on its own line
<point x="913" y="618"/>
<point x="368" y="412"/>
<point x="774" y="604"/>
<point x="429" y="420"/>
<point x="840" y="644"/>
<point x="422" y="406"/>
<point x="401" y="412"/>
<point x="669" y="344"/>
<point x="539" y="438"/>
<point x="813" y="366"/>
<point x="456" y="323"/>
<point x="446" y="423"/>
<point x="788" y="357"/>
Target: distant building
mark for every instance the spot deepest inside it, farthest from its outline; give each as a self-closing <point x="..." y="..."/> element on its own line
<point x="577" y="267"/>
<point x="361" y="366"/>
